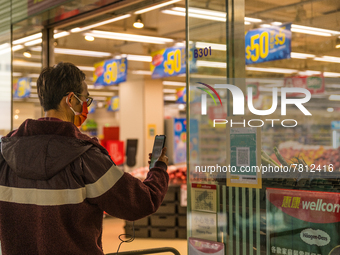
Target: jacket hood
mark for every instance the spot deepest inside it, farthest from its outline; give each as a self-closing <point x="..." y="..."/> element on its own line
<point x="41" y="157"/>
<point x="39" y="149"/>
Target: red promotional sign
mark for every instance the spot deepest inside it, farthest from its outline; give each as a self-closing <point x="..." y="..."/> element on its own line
<point x="315" y="84"/>
<point x="203" y="186"/>
<point x="116" y="151"/>
<point x="310" y="206"/>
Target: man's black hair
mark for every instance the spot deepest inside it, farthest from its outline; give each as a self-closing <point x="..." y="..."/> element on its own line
<point x="55" y="82"/>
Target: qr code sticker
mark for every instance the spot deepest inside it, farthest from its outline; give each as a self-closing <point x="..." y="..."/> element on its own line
<point x="203" y="200"/>
<point x="242" y="156"/>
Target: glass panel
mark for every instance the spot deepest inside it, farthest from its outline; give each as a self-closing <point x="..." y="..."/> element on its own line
<point x="5" y="68"/>
<point x="290" y="59"/>
<point x="27" y="64"/>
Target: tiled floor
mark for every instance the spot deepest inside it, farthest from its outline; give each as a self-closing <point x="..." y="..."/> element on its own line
<point x="114" y="227"/>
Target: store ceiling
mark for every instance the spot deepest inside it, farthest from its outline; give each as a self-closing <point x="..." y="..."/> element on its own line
<point x="312" y="13"/>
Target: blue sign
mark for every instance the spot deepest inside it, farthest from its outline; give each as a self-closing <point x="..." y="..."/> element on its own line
<point x="180" y="138"/>
<point x="268" y="44"/>
<point x="110" y="72"/>
<point x="22" y="88"/>
<point x="112" y="104"/>
<point x="335" y="124"/>
<point x="168" y="62"/>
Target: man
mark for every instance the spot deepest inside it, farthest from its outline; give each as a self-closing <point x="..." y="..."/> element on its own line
<point x="55" y="182"/>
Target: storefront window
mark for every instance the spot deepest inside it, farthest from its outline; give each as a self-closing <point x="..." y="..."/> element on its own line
<point x="268" y="97"/>
<point x="5" y="69"/>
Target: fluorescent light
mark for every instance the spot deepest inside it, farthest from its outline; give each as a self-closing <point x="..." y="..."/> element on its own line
<point x="169" y="90"/>
<point x="211" y="64"/>
<point x="315" y="29"/>
<point x="16" y="74"/>
<point x="27" y="38"/>
<point x="89" y="38"/>
<point x="129" y="37"/>
<point x="328" y="59"/>
<point x="309" y="73"/>
<point x="139" y="58"/>
<point x="174" y="13"/>
<point x="301" y="55"/>
<point x="271" y="70"/>
<point x="330" y="109"/>
<point x="174" y="83"/>
<point x="17" y="47"/>
<point x="179" y="11"/>
<point x="86" y="53"/>
<point x="33" y="75"/>
<point x="156" y="6"/>
<point x="334" y="97"/>
<point x="214" y="46"/>
<point x="253" y="20"/>
<point x="265" y="25"/>
<point x="141" y="72"/>
<point x="247" y="23"/>
<point x="25" y="63"/>
<point x="98" y="93"/>
<point x="78" y="29"/>
<point x="276" y="23"/>
<point x="331" y="74"/>
<point x="34" y="42"/>
<point x="61" y="34"/>
<point x="296" y="30"/>
<point x="170" y="98"/>
<point x="86" y="68"/>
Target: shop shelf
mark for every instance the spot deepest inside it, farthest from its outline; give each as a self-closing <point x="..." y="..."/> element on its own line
<point x="182" y="220"/>
<point x="141" y="232"/>
<point x="182" y="233"/>
<point x="163" y="232"/>
<point x="141" y="222"/>
<point x="163" y="220"/>
<point x="181" y="209"/>
<point x="171" y="195"/>
<point x="167" y="208"/>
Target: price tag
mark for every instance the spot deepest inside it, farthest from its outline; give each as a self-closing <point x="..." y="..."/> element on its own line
<point x="267" y="44"/>
<point x="168" y="62"/>
<point x="110" y="72"/>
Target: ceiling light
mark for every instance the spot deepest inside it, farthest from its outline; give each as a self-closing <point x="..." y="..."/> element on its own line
<point x="169" y="90"/>
<point x="301" y="55"/>
<point x="331" y="74"/>
<point x="129" y="37"/>
<point x="16" y="74"/>
<point x="170" y="98"/>
<point x="16" y="117"/>
<point x="247" y="23"/>
<point x="89" y="38"/>
<point x="328" y="59"/>
<point x="203" y="63"/>
<point x="271" y="70"/>
<point x="330" y="109"/>
<point x="178" y="12"/>
<point x="61" y="34"/>
<point x="4" y="46"/>
<point x="139" y="58"/>
<point x="78" y="29"/>
<point x="86" y="53"/>
<point x="27" y="38"/>
<point x="141" y="72"/>
<point x="253" y="20"/>
<point x="34" y="42"/>
<point x="138" y="23"/>
<point x="156" y="6"/>
<point x="27" y="54"/>
<point x="334" y="97"/>
<point x="276" y="23"/>
<point x="181" y="107"/>
<point x="174" y="83"/>
<point x="17" y="47"/>
<point x="265" y="25"/>
<point x="315" y="29"/>
<point x="86" y="68"/>
<point x="25" y="63"/>
<point x="297" y="30"/>
<point x="309" y="73"/>
<point x="214" y="46"/>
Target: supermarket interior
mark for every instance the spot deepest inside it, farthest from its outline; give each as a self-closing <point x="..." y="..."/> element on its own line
<point x="145" y="59"/>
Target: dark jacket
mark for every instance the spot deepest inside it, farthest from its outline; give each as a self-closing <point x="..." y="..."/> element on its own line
<point x="55" y="183"/>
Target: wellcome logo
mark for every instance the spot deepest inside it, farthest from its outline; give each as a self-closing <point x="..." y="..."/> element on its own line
<point x="239" y="100"/>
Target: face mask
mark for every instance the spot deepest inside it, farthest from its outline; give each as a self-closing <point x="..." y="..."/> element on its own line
<point x="79" y="118"/>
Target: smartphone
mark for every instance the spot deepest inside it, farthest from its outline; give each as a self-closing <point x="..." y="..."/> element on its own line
<point x="157" y="149"/>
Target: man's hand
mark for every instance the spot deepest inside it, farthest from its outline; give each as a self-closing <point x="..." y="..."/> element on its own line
<point x="162" y="157"/>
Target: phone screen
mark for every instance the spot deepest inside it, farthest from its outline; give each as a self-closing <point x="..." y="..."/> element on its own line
<point x="157" y="149"/>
